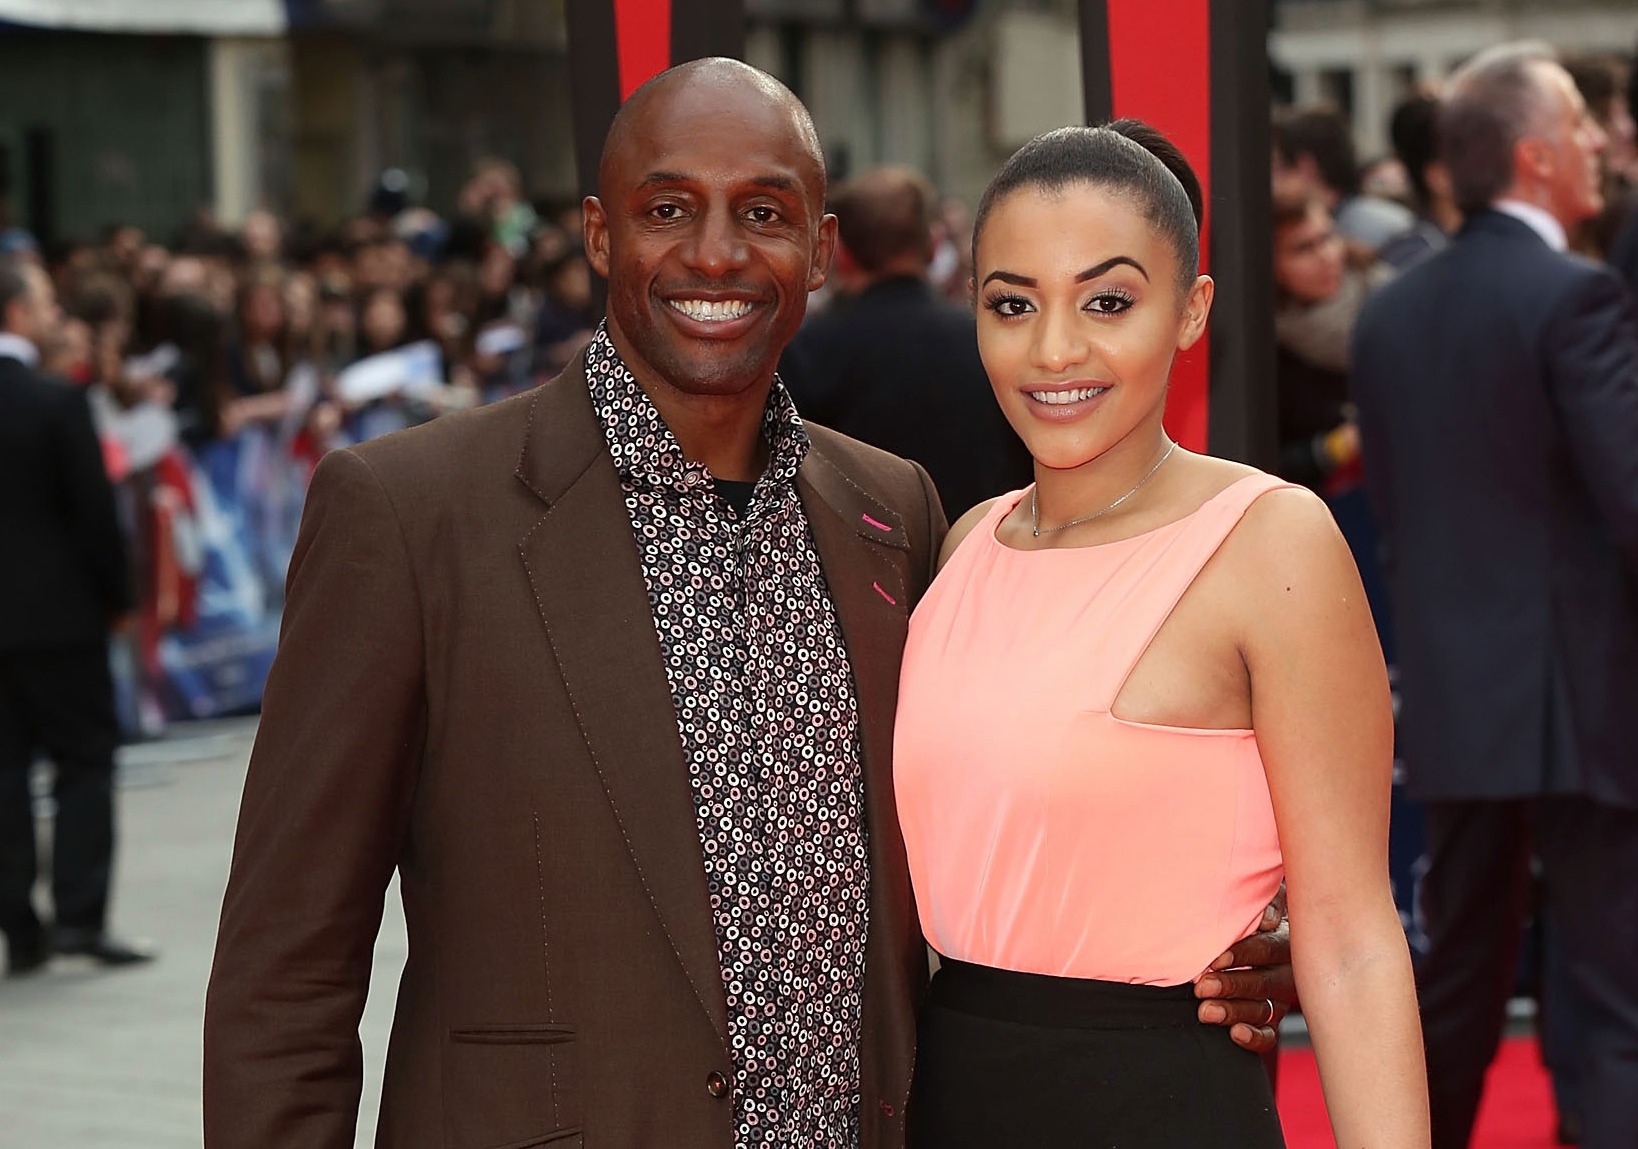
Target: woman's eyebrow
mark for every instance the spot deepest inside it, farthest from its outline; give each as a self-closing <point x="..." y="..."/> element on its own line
<point x="1090" y="273"/>
<point x="1009" y="277"/>
<point x="1098" y="269"/>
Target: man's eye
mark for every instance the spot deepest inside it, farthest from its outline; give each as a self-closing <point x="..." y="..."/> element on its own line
<point x="666" y="211"/>
<point x="763" y="214"/>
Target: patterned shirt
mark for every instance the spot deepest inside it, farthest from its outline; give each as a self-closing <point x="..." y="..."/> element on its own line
<point x="769" y="722"/>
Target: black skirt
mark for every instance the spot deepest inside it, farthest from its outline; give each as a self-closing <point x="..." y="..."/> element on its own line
<point x="1019" y="1059"/>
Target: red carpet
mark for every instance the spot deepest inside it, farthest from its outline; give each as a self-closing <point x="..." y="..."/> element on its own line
<point x="1517" y="1112"/>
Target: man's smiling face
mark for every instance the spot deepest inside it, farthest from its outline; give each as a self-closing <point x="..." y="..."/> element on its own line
<point x="710" y="229"/>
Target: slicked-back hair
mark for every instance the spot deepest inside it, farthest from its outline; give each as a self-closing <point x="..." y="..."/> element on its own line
<point x="14" y="285"/>
<point x="1121" y="158"/>
<point x="1490" y="104"/>
<point x="885" y="215"/>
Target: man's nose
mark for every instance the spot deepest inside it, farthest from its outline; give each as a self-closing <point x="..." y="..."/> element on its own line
<point x="1600" y="138"/>
<point x="717" y="245"/>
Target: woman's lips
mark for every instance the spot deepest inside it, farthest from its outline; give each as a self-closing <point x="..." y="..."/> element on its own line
<point x="1062" y="404"/>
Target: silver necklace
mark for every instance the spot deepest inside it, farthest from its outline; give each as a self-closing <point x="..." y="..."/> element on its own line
<point x="1035" y="514"/>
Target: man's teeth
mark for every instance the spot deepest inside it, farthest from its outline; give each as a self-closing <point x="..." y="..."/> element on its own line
<point x="1064" y="398"/>
<point x="708" y="311"/>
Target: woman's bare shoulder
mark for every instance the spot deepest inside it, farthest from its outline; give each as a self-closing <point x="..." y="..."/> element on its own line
<point x="1289" y="555"/>
<point x="964" y="527"/>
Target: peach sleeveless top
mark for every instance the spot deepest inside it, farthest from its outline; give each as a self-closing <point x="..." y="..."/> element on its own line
<point x="1045" y="835"/>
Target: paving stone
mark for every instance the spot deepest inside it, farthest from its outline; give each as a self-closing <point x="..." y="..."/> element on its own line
<point x="109" y="1059"/>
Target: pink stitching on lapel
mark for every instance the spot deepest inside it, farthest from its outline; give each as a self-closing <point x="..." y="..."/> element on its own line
<point x="893" y="601"/>
<point x="879" y="526"/>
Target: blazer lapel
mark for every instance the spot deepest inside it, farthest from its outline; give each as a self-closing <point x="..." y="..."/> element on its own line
<point x="864" y="551"/>
<point x="588" y="584"/>
<point x="865" y="554"/>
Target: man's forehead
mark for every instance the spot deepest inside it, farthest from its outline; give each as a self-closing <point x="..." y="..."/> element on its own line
<point x="718" y="157"/>
<point x="711" y="121"/>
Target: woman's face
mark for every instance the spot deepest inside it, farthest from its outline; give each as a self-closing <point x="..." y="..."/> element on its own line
<point x="383" y="320"/>
<point x="263" y="313"/>
<point x="1309" y="257"/>
<point x="300" y="303"/>
<point x="1079" y="316"/>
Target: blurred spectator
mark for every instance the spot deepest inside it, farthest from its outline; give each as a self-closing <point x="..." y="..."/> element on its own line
<point x="18" y="245"/>
<point x="493" y="199"/>
<point x="1602" y="83"/>
<point x="898" y="367"/>
<point x="1386" y="178"/>
<point x="259" y="359"/>
<point x="1414" y="128"/>
<point x="566" y="318"/>
<point x="1316" y="146"/>
<point x="262" y="236"/>
<point x="63" y="587"/>
<point x="951" y="269"/>
<point x="219" y="369"/>
<point x="1623" y="253"/>
<point x="1321" y="285"/>
<point x="1497" y="388"/>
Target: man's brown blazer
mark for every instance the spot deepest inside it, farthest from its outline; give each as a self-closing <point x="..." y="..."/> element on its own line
<point x="469" y="690"/>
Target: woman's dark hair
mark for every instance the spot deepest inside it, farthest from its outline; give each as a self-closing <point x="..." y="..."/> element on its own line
<point x="1127" y="157"/>
<point x="1414" y="130"/>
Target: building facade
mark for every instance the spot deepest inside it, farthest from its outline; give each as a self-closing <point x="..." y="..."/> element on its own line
<point x="1366" y="55"/>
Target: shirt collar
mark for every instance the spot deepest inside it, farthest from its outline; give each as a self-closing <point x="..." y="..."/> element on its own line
<point x="16" y="347"/>
<point x="645" y="450"/>
<point x="1541" y="221"/>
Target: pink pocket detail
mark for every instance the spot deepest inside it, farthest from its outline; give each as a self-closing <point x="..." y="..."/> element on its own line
<point x="893" y="601"/>
<point x="878" y="525"/>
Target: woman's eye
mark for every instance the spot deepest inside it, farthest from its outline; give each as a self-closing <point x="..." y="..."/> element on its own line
<point x="1008" y="305"/>
<point x="1109" y="303"/>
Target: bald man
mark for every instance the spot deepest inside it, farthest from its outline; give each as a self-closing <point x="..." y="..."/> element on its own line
<point x="607" y="674"/>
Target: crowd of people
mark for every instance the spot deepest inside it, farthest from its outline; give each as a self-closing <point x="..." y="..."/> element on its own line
<point x="1461" y="394"/>
<point x="223" y="363"/>
<point x="224" y="368"/>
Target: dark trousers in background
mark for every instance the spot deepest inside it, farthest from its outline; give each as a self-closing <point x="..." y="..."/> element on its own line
<point x="59" y="703"/>
<point x="1475" y="897"/>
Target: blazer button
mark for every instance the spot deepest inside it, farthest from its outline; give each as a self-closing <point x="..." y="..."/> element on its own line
<point x="716" y="1084"/>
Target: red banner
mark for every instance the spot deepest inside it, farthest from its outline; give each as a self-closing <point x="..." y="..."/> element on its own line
<point x="1160" y="72"/>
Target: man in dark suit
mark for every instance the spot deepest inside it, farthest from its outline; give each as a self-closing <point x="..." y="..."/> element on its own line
<point x="896" y="366"/>
<point x="607" y="673"/>
<point x="1497" y="386"/>
<point x="63" y="584"/>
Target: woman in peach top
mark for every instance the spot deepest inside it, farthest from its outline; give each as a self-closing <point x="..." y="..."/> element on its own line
<point x="1146" y="687"/>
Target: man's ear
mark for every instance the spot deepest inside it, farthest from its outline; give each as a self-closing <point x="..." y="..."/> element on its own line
<point x="1533" y="158"/>
<point x="824" y="251"/>
<point x="1196" y="310"/>
<point x="594" y="227"/>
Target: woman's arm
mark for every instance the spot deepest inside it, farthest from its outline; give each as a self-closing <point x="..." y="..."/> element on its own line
<point x="1320" y="707"/>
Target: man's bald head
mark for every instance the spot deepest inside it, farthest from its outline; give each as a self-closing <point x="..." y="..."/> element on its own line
<point x="716" y="80"/>
<point x="710" y="227"/>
